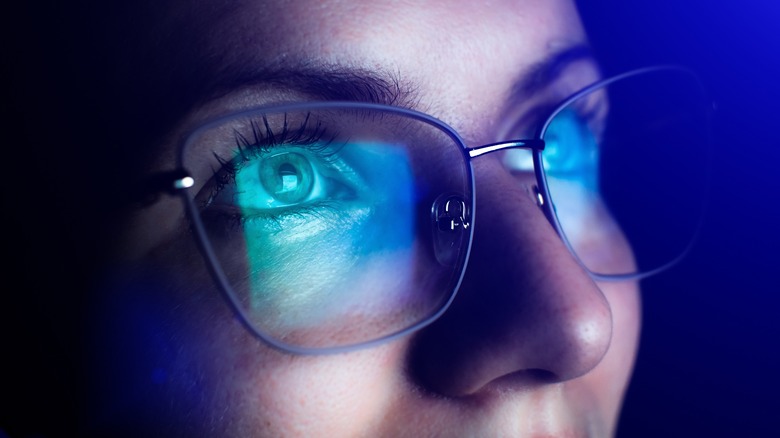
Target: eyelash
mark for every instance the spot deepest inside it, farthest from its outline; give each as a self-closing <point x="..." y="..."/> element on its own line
<point x="262" y="140"/>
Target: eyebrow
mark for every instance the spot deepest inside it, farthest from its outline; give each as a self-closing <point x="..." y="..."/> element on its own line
<point x="546" y="72"/>
<point x="341" y="83"/>
<point x="327" y="82"/>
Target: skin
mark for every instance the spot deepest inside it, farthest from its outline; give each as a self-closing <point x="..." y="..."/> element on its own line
<point x="531" y="346"/>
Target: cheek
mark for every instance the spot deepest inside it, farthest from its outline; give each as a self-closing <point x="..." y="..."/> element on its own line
<point x="592" y="232"/>
<point x="238" y="385"/>
<point x="209" y="373"/>
<point x="262" y="392"/>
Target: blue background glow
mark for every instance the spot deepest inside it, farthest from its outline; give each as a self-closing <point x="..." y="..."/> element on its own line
<point x="708" y="363"/>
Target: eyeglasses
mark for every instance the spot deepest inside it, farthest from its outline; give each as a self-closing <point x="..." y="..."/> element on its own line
<point x="333" y="226"/>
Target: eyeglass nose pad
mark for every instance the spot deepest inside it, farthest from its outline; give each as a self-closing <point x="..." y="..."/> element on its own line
<point x="451" y="222"/>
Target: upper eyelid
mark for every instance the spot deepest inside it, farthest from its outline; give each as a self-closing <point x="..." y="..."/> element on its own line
<point x="261" y="137"/>
<point x="250" y="133"/>
<point x="530" y="120"/>
<point x="526" y="124"/>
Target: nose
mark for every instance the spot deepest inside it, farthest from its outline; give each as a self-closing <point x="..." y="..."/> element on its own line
<point x="526" y="313"/>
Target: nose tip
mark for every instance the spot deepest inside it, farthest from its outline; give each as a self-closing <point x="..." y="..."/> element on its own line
<point x="576" y="336"/>
<point x="526" y="311"/>
<point x="546" y="333"/>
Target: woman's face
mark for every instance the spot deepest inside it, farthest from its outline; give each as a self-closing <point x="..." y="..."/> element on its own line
<point x="531" y="346"/>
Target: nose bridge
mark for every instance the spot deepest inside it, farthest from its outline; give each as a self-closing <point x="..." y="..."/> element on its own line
<point x="531" y="168"/>
<point x="535" y="270"/>
<point x="507" y="202"/>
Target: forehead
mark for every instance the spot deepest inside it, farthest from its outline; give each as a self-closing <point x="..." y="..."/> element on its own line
<point x="456" y="53"/>
<point x="378" y="31"/>
<point x="186" y="61"/>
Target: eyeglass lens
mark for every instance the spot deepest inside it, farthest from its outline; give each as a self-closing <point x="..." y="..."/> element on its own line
<point x="334" y="226"/>
<point x="627" y="161"/>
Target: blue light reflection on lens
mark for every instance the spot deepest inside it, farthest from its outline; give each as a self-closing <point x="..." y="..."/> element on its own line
<point x="571" y="150"/>
<point x="360" y="209"/>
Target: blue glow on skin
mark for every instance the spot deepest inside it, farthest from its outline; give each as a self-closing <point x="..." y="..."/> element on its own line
<point x="356" y="215"/>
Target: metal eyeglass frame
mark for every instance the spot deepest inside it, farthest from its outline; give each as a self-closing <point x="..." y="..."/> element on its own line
<point x="177" y="182"/>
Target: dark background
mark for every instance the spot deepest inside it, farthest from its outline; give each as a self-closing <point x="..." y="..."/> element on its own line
<point x="709" y="356"/>
<point x="708" y="362"/>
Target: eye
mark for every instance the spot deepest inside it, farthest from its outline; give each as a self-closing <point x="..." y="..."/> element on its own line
<point x="268" y="187"/>
<point x="287" y="176"/>
<point x="571" y="150"/>
<point x="278" y="167"/>
<point x="571" y="161"/>
<point x="276" y="183"/>
<point x="518" y="161"/>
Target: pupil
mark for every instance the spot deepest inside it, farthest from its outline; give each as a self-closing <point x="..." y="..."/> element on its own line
<point x="288" y="177"/>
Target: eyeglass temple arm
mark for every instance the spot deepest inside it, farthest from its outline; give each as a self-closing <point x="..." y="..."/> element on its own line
<point x="533" y="144"/>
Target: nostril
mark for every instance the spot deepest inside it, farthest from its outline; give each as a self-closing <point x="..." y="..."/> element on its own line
<point x="542" y="376"/>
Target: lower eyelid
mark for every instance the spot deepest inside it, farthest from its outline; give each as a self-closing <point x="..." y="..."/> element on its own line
<point x="230" y="219"/>
<point x="307" y="221"/>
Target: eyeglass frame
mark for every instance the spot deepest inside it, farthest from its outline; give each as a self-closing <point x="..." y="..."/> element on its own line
<point x="178" y="181"/>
